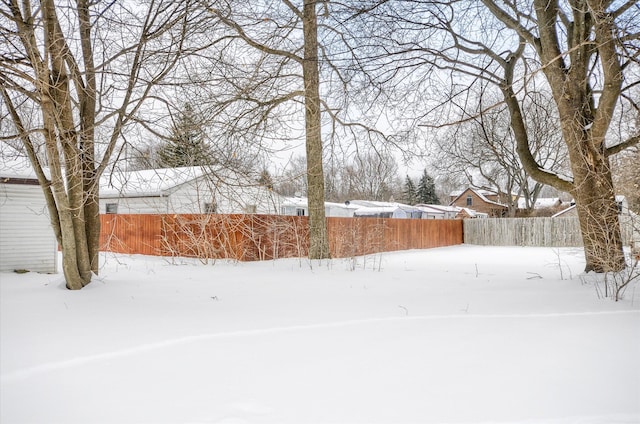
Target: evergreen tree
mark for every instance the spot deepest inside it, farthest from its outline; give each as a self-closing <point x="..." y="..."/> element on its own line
<point x="265" y="179"/>
<point x="426" y="192"/>
<point x="186" y="146"/>
<point x="410" y="193"/>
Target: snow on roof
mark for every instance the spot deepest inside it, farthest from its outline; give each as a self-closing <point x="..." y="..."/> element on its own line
<point x="430" y="209"/>
<point x="619" y="198"/>
<point x="437" y="208"/>
<point x="469" y="212"/>
<point x="482" y="193"/>
<point x="296" y="201"/>
<point x="380" y="204"/>
<point x="157" y="182"/>
<point x="543" y="202"/>
<point x="148" y="182"/>
<point x="340" y="205"/>
<point x="564" y="211"/>
<point x="373" y="210"/>
<point x="18" y="167"/>
<point x="478" y="191"/>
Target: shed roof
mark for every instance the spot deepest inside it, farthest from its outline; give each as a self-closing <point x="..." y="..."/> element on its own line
<point x="148" y="182"/>
<point x="156" y="182"/>
<point x="16" y="168"/>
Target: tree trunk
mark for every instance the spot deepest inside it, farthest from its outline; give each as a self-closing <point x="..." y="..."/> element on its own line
<point x="318" y="240"/>
<point x="92" y="224"/>
<point x="598" y="215"/>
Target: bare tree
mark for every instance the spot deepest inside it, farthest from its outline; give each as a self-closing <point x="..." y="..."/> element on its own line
<point x="297" y="60"/>
<point x="585" y="52"/>
<point x="284" y="42"/>
<point x="293" y="180"/>
<point x="370" y="176"/>
<point x="482" y="149"/>
<point x="367" y="176"/>
<point x="73" y="77"/>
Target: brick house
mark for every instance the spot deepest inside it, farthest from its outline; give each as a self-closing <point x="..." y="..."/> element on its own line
<point x="481" y="201"/>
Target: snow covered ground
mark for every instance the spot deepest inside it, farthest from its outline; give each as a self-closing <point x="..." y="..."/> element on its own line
<point x="463" y="334"/>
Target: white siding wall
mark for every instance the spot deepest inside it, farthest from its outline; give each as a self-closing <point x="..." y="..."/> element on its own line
<point x="26" y="238"/>
<point x="191" y="197"/>
<point x="136" y="205"/>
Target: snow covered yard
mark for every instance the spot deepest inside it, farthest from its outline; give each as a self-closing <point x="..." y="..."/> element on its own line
<point x="463" y="334"/>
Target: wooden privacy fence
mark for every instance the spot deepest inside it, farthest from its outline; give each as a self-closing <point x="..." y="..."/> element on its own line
<point x="544" y="232"/>
<point x="258" y="237"/>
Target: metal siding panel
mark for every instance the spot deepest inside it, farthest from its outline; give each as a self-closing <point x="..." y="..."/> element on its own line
<point x="26" y="238"/>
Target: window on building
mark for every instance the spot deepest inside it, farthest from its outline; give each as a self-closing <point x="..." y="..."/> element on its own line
<point x="111" y="208"/>
<point x="250" y="209"/>
<point x="210" y="207"/>
<point x="300" y="211"/>
<point x="469" y="200"/>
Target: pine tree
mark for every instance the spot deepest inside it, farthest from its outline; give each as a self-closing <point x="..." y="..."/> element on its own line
<point x="426" y="192"/>
<point x="410" y="193"/>
<point x="265" y="179"/>
<point x="186" y="146"/>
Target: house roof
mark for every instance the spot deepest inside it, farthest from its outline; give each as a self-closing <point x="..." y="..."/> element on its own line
<point x="481" y="194"/>
<point x="376" y="210"/>
<point x="299" y="202"/>
<point x="541" y="202"/>
<point x="160" y="182"/>
<point x="457" y="193"/>
<point x="619" y="198"/>
<point x="148" y="182"/>
<point x="14" y="164"/>
<point x="380" y="204"/>
<point x="438" y="208"/>
<point x="563" y="212"/>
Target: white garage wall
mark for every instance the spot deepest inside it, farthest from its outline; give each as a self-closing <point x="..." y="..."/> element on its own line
<point x="27" y="241"/>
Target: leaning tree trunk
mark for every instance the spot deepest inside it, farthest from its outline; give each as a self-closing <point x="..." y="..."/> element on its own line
<point x="318" y="240"/>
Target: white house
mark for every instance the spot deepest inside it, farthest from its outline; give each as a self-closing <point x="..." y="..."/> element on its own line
<point x="541" y="202"/>
<point x="299" y="206"/>
<point x="185" y="190"/>
<point x="27" y="241"/>
<point x="438" y="211"/>
<point x="352" y="208"/>
<point x="370" y="208"/>
<point x="294" y="206"/>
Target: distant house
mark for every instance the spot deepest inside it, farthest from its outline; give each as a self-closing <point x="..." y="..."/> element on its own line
<point x="294" y="206"/>
<point x="482" y="201"/>
<point x="352" y="208"/>
<point x="377" y="209"/>
<point x="623" y="209"/>
<point x="438" y="211"/>
<point x="185" y="190"/>
<point x="542" y="207"/>
<point x="343" y="210"/>
<point x="465" y="213"/>
<point x="27" y="241"/>
<point x="629" y="223"/>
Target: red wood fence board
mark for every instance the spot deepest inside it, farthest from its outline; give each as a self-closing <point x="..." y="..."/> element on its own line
<point x="259" y="237"/>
